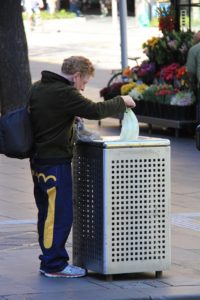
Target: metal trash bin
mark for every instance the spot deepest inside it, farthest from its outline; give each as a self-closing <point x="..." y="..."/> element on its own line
<point x="122" y="205"/>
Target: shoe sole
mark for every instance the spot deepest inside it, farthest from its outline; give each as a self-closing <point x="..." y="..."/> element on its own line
<point x="52" y="275"/>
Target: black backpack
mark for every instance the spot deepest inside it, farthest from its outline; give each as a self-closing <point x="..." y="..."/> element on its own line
<point x="16" y="137"/>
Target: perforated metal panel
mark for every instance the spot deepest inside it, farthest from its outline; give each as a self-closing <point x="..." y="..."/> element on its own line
<point x="122" y="217"/>
<point x="88" y="206"/>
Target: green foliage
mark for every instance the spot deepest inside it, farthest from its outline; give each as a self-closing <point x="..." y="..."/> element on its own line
<point x="150" y="93"/>
<point x="165" y="11"/>
<point x="159" y="93"/>
<point x="171" y="47"/>
<point x="61" y="14"/>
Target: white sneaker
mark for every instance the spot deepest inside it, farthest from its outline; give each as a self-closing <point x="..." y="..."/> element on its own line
<point x="69" y="272"/>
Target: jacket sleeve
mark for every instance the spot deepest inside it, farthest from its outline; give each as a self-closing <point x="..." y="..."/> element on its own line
<point x="198" y="68"/>
<point x="191" y="64"/>
<point x="76" y="104"/>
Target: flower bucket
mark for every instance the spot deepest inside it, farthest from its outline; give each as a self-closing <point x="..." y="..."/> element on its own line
<point x="155" y="109"/>
<point x="176" y="112"/>
<point x="140" y="107"/>
<point x="184" y="112"/>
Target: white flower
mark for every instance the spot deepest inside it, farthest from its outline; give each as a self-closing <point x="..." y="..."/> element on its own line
<point x="183" y="99"/>
<point x="172" y="44"/>
<point x="135" y="94"/>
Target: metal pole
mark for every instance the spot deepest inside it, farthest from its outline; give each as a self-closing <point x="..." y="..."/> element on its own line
<point x="123" y="32"/>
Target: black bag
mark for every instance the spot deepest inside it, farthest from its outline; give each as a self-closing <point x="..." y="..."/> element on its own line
<point x="16" y="137"/>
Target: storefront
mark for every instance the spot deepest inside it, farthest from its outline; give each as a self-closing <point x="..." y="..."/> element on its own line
<point x="93" y="6"/>
<point x="187" y="14"/>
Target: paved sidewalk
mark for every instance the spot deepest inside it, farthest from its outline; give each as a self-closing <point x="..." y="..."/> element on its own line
<point x="19" y="276"/>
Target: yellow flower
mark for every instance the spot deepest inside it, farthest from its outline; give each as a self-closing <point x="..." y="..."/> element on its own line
<point x="141" y="88"/>
<point x="152" y="42"/>
<point x="126" y="88"/>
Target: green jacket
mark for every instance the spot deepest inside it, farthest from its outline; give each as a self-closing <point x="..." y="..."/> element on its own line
<point x="193" y="64"/>
<point x="54" y="103"/>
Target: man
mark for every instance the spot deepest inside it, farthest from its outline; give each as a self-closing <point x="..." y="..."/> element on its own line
<point x="193" y="69"/>
<point x="103" y="7"/>
<point x="32" y="8"/>
<point x="74" y="7"/>
<point x="55" y="102"/>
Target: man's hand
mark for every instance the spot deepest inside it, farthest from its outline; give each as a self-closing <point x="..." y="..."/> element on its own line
<point x="128" y="100"/>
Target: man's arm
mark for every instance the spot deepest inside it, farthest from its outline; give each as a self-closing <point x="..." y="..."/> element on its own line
<point x="76" y="104"/>
<point x="192" y="81"/>
<point x="192" y="69"/>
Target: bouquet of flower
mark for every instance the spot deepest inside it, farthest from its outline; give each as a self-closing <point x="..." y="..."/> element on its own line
<point x="161" y="93"/>
<point x="164" y="93"/>
<point x="137" y="92"/>
<point x="183" y="98"/>
<point x="172" y="47"/>
<point x="136" y="95"/>
<point x="111" y="91"/>
<point x="166" y="19"/>
<point x="168" y="73"/>
<point x="128" y="73"/>
<point x="181" y="78"/>
<point x="146" y="72"/>
<point x="150" y="93"/>
<point x="151" y="48"/>
<point x="127" y="87"/>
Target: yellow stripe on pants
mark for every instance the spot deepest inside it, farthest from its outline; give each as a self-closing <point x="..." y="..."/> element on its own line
<point x="49" y="223"/>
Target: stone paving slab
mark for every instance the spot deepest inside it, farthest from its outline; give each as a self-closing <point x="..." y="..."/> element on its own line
<point x="19" y="251"/>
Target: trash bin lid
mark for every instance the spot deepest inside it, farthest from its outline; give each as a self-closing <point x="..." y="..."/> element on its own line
<point x="114" y="142"/>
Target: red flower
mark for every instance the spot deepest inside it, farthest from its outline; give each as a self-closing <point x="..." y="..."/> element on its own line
<point x="168" y="72"/>
<point x="164" y="92"/>
<point x="180" y="72"/>
<point x="166" y="23"/>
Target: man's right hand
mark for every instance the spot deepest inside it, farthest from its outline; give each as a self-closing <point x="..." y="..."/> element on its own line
<point x="128" y="100"/>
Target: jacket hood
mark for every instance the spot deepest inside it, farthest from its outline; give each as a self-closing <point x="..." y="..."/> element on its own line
<point x="48" y="76"/>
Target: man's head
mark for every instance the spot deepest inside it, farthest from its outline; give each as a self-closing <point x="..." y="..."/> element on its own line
<point x="78" y="69"/>
<point x="196" y="37"/>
